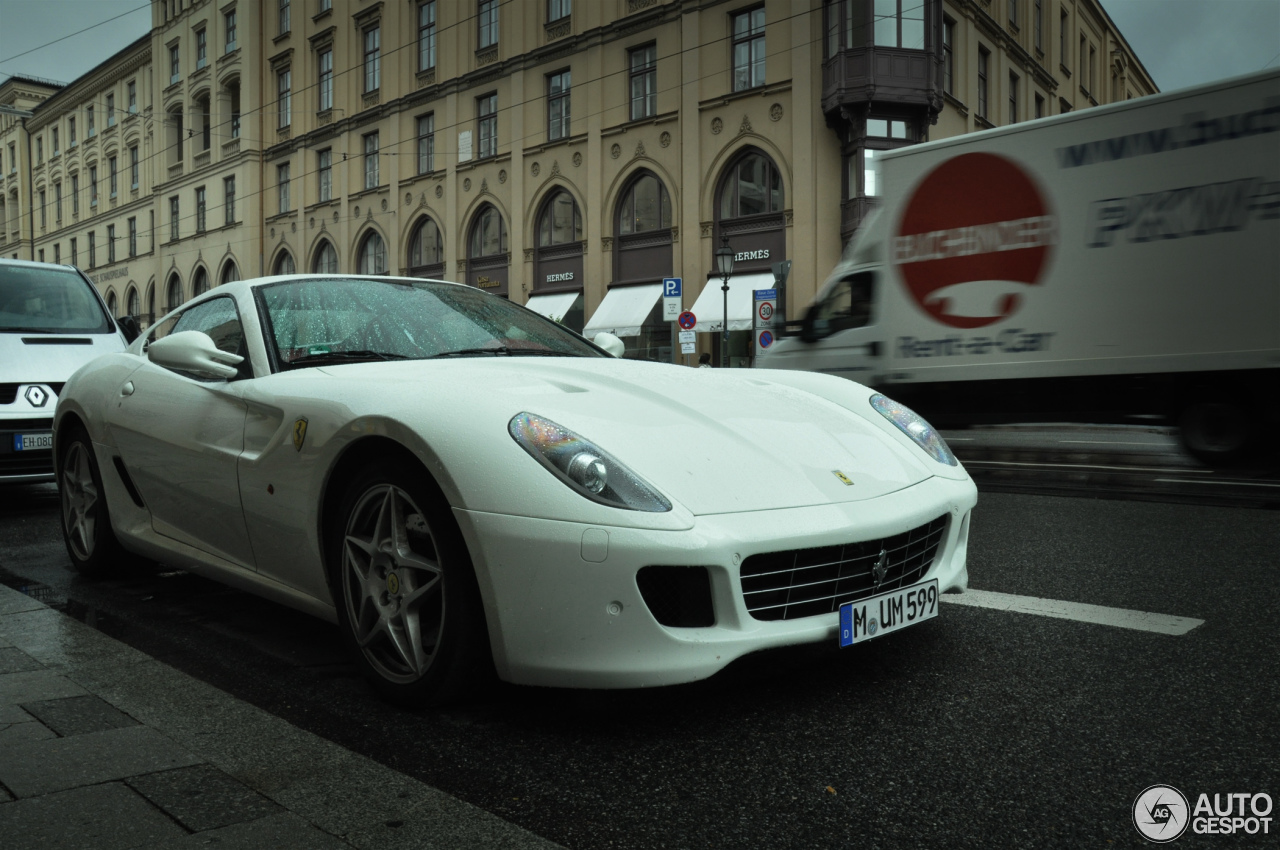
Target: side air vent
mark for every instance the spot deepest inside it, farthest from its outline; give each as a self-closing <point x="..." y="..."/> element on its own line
<point x="679" y="597"/>
<point x="128" y="482"/>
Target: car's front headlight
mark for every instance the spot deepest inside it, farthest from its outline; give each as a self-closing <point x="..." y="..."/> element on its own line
<point x="584" y="466"/>
<point x="913" y="425"/>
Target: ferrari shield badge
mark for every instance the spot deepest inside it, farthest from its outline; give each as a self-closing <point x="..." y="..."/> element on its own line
<point x="838" y="474"/>
<point x="299" y="433"/>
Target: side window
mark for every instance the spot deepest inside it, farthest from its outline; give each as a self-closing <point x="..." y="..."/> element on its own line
<point x="847" y="306"/>
<point x="219" y="319"/>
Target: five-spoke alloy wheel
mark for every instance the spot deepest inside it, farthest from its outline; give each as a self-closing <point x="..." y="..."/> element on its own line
<point x="86" y="525"/>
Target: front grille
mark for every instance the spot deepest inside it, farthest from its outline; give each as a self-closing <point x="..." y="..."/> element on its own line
<point x="9" y="392"/>
<point x="677" y="596"/>
<point x="805" y="582"/>
<point x="26" y="463"/>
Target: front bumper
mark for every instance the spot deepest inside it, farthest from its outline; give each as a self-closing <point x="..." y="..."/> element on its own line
<point x="556" y="618"/>
<point x="19" y="415"/>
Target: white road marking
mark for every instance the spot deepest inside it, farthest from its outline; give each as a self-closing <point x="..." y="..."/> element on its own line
<point x="1219" y="481"/>
<point x="1089" y="466"/>
<point x="1110" y="442"/>
<point x="1123" y="618"/>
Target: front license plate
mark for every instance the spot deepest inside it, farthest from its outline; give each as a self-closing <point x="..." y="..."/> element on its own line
<point x="888" y="612"/>
<point x="29" y="442"/>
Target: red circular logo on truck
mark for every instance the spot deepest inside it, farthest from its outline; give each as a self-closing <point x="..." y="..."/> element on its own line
<point x="976" y="233"/>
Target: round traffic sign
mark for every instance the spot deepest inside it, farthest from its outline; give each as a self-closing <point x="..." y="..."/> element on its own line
<point x="766" y="310"/>
<point x="687" y="320"/>
<point x="766" y="339"/>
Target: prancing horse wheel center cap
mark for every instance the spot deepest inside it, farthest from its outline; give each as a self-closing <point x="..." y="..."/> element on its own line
<point x="393" y="583"/>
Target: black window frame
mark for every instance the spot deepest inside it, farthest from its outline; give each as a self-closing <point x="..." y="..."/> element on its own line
<point x="749" y="39"/>
<point x="644" y="72"/>
<point x="558" y="114"/>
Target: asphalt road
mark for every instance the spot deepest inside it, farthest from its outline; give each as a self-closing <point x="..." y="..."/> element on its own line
<point x="982" y="727"/>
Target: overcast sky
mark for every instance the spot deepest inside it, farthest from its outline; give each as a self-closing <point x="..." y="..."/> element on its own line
<point x="1181" y="42"/>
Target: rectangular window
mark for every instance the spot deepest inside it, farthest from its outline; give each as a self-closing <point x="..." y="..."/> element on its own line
<point x="200" y="209"/>
<point x="487" y="116"/>
<point x="71" y="132"/>
<point x="427" y="35"/>
<point x="75" y="252"/>
<point x="1093" y="62"/>
<point x="488" y="22"/>
<point x="282" y="187"/>
<point x="948" y="58"/>
<point x="326" y="79"/>
<point x="39" y="150"/>
<point x="133" y="167"/>
<point x="111" y="244"/>
<point x="202" y="49"/>
<point x="1063" y="31"/>
<point x="93" y="249"/>
<point x="75" y="194"/>
<point x="984" y="59"/>
<point x="1013" y="12"/>
<point x="372" y="59"/>
<point x="1039" y="106"/>
<point x="43" y="223"/>
<point x="57" y="253"/>
<point x="899" y="23"/>
<point x="93" y="185"/>
<point x="1013" y="98"/>
<point x="427" y="144"/>
<point x="41" y="257"/>
<point x="229" y="199"/>
<point x="557" y="9"/>
<point x="57" y="202"/>
<point x="173" y="219"/>
<point x="1084" y="44"/>
<point x="371" y="161"/>
<point x="111" y="110"/>
<point x="558" y="106"/>
<point x="1037" y="25"/>
<point x="175" y="68"/>
<point x="133" y="236"/>
<point x="284" y="17"/>
<point x="230" y="22"/>
<point x="284" y="86"/>
<point x="326" y="5"/>
<point x="748" y="49"/>
<point x="111" y="168"/>
<point x="644" y="82"/>
<point x="88" y="122"/>
<point x="324" y="173"/>
<point x="235" y="112"/>
<point x="133" y="97"/>
<point x="54" y="143"/>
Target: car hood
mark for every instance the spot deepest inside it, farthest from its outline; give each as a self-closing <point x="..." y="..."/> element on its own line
<point x="716" y="441"/>
<point x="43" y="358"/>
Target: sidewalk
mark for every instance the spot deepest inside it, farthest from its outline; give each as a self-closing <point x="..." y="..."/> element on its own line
<point x="103" y="747"/>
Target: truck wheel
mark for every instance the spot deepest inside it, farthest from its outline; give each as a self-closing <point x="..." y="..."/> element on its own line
<point x="1217" y="433"/>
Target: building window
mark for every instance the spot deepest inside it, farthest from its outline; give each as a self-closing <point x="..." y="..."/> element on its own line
<point x="326" y="5"/>
<point x="71" y="132"/>
<point x="75" y="252"/>
<point x="427" y="247"/>
<point x="373" y="255"/>
<point x="230" y="274"/>
<point x="561" y="221"/>
<point x="111" y="244"/>
<point x="133" y="167"/>
<point x="133" y="96"/>
<point x="1013" y="98"/>
<point x="326" y="259"/>
<point x="488" y="22"/>
<point x="1013" y="13"/>
<point x="93" y="249"/>
<point x="111" y="110"/>
<point x="284" y="264"/>
<point x="984" y="59"/>
<point x="753" y="188"/>
<point x="43" y="223"/>
<point x="1084" y="44"/>
<point x="557" y="9"/>
<point x="487" y="114"/>
<point x="427" y="35"/>
<point x="202" y="48"/>
<point x="646" y="206"/>
<point x="230" y="21"/>
<point x="234" y="92"/>
<point x="110" y="304"/>
<point x="39" y="150"/>
<point x="899" y="23"/>
<point x="88" y="122"/>
<point x="1093" y="65"/>
<point x="427" y="143"/>
<point x="174" y="294"/>
<point x="1063" y="30"/>
<point x="284" y="16"/>
<point x="371" y="161"/>
<point x="948" y="58"/>
<point x="326" y="79"/>
<point x="173" y="219"/>
<point x="284" y="86"/>
<point x="748" y="49"/>
<point x="644" y="82"/>
<point x="1039" y="106"/>
<point x="133" y="236"/>
<point x="324" y="173"/>
<point x="75" y="195"/>
<point x="200" y="209"/>
<point x="282" y="187"/>
<point x="57" y="202"/>
<point x="175" y="68"/>
<point x="1037" y="25"/>
<point x="199" y="283"/>
<point x="372" y="59"/>
<point x="93" y="186"/>
<point x="54" y="145"/>
<point x="488" y="235"/>
<point x="229" y="199"/>
<point x="558" y="106"/>
<point x="57" y="253"/>
<point x="111" y="168"/>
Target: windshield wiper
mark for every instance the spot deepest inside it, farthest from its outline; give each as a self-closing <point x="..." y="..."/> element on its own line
<point x="507" y="351"/>
<point x="359" y="356"/>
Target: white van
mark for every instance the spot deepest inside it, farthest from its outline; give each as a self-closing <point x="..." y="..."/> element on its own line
<point x="52" y="322"/>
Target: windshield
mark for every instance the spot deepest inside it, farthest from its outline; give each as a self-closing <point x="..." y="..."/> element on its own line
<point x="328" y="320"/>
<point x="48" y="300"/>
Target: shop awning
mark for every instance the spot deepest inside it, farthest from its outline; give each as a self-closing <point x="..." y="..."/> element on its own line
<point x="555" y="305"/>
<point x="624" y="310"/>
<point x="709" y="308"/>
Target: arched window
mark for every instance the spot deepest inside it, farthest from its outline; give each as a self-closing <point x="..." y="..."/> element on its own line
<point x="752" y="186"/>
<point x="151" y="303"/>
<point x="284" y="264"/>
<point x="230" y="273"/>
<point x="200" y="283"/>
<point x="174" y="294"/>
<point x="373" y="254"/>
<point x="326" y="261"/>
<point x="131" y="302"/>
<point x="488" y="235"/>
<point x="426" y="249"/>
<point x="645" y="206"/>
<point x="111" y="303"/>
<point x="561" y="222"/>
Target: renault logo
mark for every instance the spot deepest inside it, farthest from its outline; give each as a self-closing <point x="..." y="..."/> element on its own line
<point x="37" y="396"/>
<point x="881" y="569"/>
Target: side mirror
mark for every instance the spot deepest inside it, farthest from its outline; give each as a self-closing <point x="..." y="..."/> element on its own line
<point x="610" y="343"/>
<point x="129" y="327"/>
<point x="194" y="352"/>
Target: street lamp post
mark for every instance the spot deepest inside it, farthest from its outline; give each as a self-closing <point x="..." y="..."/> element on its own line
<point x="724" y="262"/>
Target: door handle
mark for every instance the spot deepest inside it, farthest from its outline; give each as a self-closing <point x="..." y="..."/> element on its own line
<point x="127" y="389"/>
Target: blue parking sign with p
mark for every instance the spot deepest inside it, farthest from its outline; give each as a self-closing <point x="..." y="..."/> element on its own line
<point x="671" y="287"/>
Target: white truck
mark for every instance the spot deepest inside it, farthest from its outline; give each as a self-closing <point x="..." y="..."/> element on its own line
<point x="1096" y="266"/>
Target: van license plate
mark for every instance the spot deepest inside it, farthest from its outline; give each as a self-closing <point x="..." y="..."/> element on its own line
<point x="888" y="612"/>
<point x="30" y="442"/>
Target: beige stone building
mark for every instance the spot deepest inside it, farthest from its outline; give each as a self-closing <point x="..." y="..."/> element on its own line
<point x="568" y="154"/>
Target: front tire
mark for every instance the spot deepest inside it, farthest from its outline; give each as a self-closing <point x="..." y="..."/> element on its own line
<point x="86" y="522"/>
<point x="405" y="588"/>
